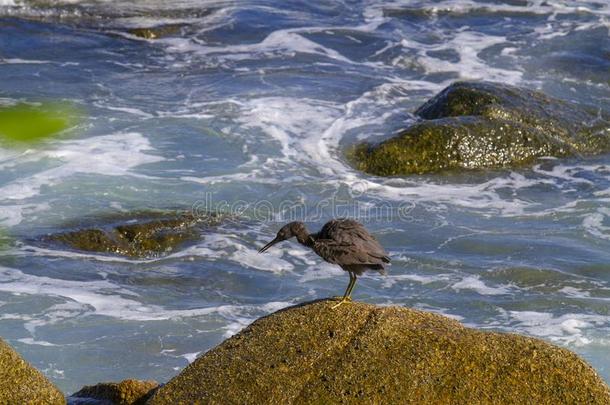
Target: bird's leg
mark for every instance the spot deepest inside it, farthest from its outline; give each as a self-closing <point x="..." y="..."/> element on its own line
<point x="351" y="286"/>
<point x="347" y="296"/>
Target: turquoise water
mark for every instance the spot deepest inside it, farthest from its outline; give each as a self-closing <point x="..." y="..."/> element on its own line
<point x="247" y="108"/>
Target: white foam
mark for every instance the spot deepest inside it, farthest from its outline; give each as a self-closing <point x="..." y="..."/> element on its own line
<point x="214" y="246"/>
<point x="232" y="328"/>
<point x="110" y="155"/>
<point x="321" y="271"/>
<point x="253" y="176"/>
<point x="18" y="61"/>
<point x="282" y="42"/>
<point x="390" y="280"/>
<point x="11" y="215"/>
<point x="229" y="247"/>
<point x="594" y="223"/>
<point x="30" y="250"/>
<point x="129" y="110"/>
<point x="191" y="357"/>
<point x="104" y="298"/>
<point x="291" y="122"/>
<point x="468" y="45"/>
<point x="54" y="314"/>
<point x="30" y="341"/>
<point x="437" y="310"/>
<point x="574" y="292"/>
<point x="238" y="322"/>
<point x="566" y="172"/>
<point x="296" y="125"/>
<point x="251" y="258"/>
<point x="569" y="329"/>
<point x="474" y="283"/>
<point x="278" y="43"/>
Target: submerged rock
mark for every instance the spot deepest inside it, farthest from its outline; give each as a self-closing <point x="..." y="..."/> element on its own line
<point x="367" y="354"/>
<point x="126" y="392"/>
<point x="20" y="383"/>
<point x="485" y="125"/>
<point x="137" y="235"/>
<point x="160" y="31"/>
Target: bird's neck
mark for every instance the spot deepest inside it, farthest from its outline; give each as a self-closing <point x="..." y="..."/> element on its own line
<point x="305" y="238"/>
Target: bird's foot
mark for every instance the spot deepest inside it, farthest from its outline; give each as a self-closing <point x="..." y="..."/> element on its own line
<point x="344" y="300"/>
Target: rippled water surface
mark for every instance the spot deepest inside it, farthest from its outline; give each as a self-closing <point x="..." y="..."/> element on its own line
<point x="256" y="101"/>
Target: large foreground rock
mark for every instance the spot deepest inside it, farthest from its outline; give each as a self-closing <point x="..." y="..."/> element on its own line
<point x="486" y="125"/>
<point x="312" y="354"/>
<point x="20" y="383"/>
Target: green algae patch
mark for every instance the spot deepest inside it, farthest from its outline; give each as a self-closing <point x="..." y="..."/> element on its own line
<point x="20" y="383"/>
<point x="485" y="125"/>
<point x="138" y="235"/>
<point x="26" y="124"/>
<point x="126" y="392"/>
<point x="360" y="353"/>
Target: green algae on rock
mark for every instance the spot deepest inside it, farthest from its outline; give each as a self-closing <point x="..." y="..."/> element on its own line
<point x="143" y="234"/>
<point x="360" y="353"/>
<point x="20" y="383"/>
<point x="450" y="143"/>
<point x="126" y="392"/>
<point x="485" y="125"/>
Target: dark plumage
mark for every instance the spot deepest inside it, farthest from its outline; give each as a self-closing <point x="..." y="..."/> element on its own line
<point x="340" y="241"/>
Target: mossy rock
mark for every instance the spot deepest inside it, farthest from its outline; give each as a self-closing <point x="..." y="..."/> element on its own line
<point x="126" y="392"/>
<point x="137" y="235"/>
<point x="20" y="383"/>
<point x="457" y="143"/>
<point x="360" y="353"/>
<point x="485" y="125"/>
<point x="161" y="31"/>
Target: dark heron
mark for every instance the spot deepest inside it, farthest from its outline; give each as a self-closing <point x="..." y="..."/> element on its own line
<point x="341" y="241"/>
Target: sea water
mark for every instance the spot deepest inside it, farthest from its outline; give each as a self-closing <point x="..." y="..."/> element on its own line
<point x="248" y="108"/>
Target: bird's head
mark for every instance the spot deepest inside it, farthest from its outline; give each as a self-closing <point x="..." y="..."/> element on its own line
<point x="288" y="231"/>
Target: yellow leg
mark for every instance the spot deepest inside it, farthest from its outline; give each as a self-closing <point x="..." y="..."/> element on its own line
<point x="348" y="292"/>
<point x="351" y="286"/>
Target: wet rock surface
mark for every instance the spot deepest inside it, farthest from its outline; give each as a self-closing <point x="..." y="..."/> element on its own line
<point x="362" y="353"/>
<point x="157" y="32"/>
<point x="145" y="234"/>
<point x="126" y="392"/>
<point x="486" y="125"/>
<point x="20" y="383"/>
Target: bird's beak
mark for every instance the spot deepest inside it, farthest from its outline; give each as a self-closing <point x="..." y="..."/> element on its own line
<point x="268" y="245"/>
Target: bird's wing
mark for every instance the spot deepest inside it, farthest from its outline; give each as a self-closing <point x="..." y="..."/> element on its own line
<point x="347" y="242"/>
